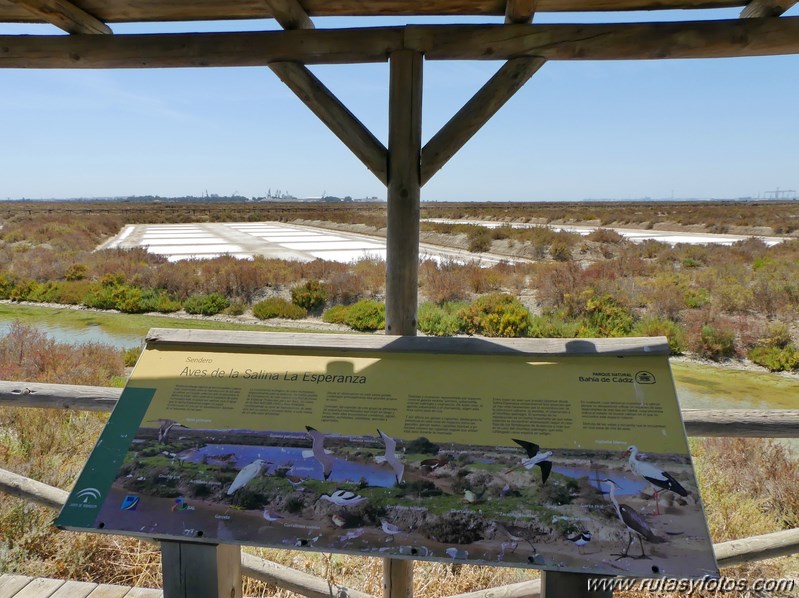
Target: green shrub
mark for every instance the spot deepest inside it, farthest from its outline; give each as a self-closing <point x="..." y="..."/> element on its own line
<point x="552" y="326"/>
<point x="366" y="315"/>
<point x="311" y="295"/>
<point x="560" y="251"/>
<point x="164" y="304"/>
<point x="7" y="283"/>
<point x="236" y="308"/>
<point x="778" y="335"/>
<point x="72" y="292"/>
<point x="275" y="307"/>
<point x="129" y="299"/>
<point x="438" y="320"/>
<point x="480" y="240"/>
<point x="715" y="343"/>
<point x="100" y="297"/>
<point x="336" y="314"/>
<point x="206" y="305"/>
<point x="663" y="327"/>
<point x="696" y="298"/>
<point x="776" y="359"/>
<point x="76" y="272"/>
<point x="131" y="356"/>
<point x="606" y="316"/>
<point x="495" y="314"/>
<point x="46" y="292"/>
<point x="690" y="262"/>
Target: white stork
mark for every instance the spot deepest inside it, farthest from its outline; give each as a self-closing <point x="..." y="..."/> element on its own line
<point x="319" y="453"/>
<point x="660" y="479"/>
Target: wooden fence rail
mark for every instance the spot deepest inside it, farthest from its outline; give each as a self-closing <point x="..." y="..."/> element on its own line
<point x="750" y="423"/>
<point x="698" y="422"/>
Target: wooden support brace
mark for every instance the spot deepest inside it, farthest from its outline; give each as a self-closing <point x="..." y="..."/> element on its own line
<point x="476" y="112"/>
<point x="766" y="8"/>
<point x="66" y="16"/>
<point x="321" y="101"/>
<point x="193" y="570"/>
<point x="555" y="584"/>
<point x="290" y="14"/>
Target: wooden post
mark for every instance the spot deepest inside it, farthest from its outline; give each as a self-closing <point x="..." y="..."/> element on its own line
<point x="555" y="584"/>
<point x="194" y="570"/>
<point x="404" y="182"/>
<point x="402" y="234"/>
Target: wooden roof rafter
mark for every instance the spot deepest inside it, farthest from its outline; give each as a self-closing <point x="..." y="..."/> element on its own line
<point x="65" y="15"/>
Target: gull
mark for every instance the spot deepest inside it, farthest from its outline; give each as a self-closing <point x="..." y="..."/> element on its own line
<point x="343" y="498"/>
<point x="391" y="456"/>
<point x="534" y="458"/>
<point x="661" y="480"/>
<point x="247" y="474"/>
<point x="634" y="522"/>
<point x="318" y="451"/>
<point x="351" y="535"/>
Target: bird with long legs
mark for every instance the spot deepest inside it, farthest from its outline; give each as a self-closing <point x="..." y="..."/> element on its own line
<point x="319" y="453"/>
<point x="634" y="522"/>
<point x="534" y="458"/>
<point x="660" y="479"/>
<point x="391" y="456"/>
<point x="165" y="427"/>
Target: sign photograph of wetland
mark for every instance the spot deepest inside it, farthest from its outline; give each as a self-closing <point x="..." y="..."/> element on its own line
<point x="572" y="463"/>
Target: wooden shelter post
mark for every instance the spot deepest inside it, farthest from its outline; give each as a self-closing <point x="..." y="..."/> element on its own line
<point x="402" y="235"/>
<point x="193" y="570"/>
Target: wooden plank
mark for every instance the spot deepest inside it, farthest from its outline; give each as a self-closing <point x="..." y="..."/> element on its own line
<point x="622" y="41"/>
<point x="74" y="589"/>
<point x="520" y="11"/>
<point x="476" y="112"/>
<point x="111" y="591"/>
<point x="194" y="570"/>
<point x="22" y="487"/>
<point x="36" y="394"/>
<point x="344" y="125"/>
<point x="293" y="343"/>
<point x="116" y="11"/>
<point x="290" y="14"/>
<point x="144" y="593"/>
<point x="66" y="16"/>
<point x="40" y="587"/>
<point x="749" y="423"/>
<point x="766" y="8"/>
<point x="10" y="584"/>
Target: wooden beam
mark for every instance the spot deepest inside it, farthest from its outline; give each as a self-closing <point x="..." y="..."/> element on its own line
<point x="476" y="112"/>
<point x="766" y="8"/>
<point x="622" y="41"/>
<point x="321" y="101"/>
<point x="290" y="14"/>
<point x="748" y="423"/>
<point x="757" y="548"/>
<point x="194" y="570"/>
<point x="31" y="490"/>
<point x="66" y="16"/>
<point x="181" y="10"/>
<point x="519" y="11"/>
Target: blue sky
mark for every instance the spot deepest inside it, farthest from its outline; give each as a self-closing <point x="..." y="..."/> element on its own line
<point x="626" y="129"/>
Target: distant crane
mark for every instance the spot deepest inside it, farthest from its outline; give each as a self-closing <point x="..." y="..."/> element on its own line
<point x="781" y="193"/>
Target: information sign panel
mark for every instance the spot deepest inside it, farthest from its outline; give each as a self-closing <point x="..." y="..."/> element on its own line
<point x="561" y="455"/>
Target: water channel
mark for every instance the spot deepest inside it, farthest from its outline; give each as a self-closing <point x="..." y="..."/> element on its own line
<point x="698" y="386"/>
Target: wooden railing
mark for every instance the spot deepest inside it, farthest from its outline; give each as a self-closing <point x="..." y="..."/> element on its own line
<point x="698" y="422"/>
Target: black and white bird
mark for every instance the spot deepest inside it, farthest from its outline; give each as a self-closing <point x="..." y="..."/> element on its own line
<point x="318" y="451"/>
<point x="660" y="479"/>
<point x="580" y="539"/>
<point x="165" y="427"/>
<point x="534" y="458"/>
<point x="634" y="522"/>
<point x="343" y="498"/>
<point x="247" y="474"/>
<point x="391" y="456"/>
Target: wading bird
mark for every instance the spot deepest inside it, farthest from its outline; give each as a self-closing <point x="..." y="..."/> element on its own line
<point x="318" y="451"/>
<point x="634" y="522"/>
<point x="165" y="427"/>
<point x="534" y="458"/>
<point x="661" y="480"/>
<point x="391" y="456"/>
<point x="247" y="474"/>
<point x="580" y="539"/>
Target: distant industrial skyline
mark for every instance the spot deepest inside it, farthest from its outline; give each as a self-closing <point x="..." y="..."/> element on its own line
<point x="577" y="130"/>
